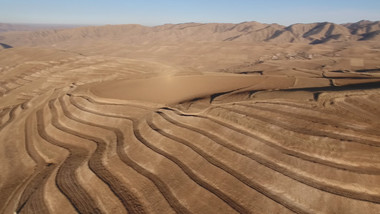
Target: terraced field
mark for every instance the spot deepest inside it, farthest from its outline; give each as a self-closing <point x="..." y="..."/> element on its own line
<point x="110" y="134"/>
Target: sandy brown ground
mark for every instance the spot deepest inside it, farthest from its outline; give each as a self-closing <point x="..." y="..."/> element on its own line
<point x="217" y="127"/>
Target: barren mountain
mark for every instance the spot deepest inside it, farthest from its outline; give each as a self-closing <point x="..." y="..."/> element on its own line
<point x="191" y="118"/>
<point x="315" y="33"/>
<point x="6" y="27"/>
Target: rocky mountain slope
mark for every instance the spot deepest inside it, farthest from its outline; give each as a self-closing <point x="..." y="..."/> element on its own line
<point x="314" y="33"/>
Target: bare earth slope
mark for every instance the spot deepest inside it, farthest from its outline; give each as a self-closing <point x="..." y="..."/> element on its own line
<point x="95" y="120"/>
<point x="314" y="33"/>
<point x="5" y="27"/>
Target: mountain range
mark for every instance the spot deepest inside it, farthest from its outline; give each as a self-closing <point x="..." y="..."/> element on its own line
<point x="314" y="33"/>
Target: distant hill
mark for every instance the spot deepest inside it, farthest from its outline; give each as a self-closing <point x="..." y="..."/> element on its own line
<point x="367" y="29"/>
<point x="314" y="33"/>
<point x="5" y="27"/>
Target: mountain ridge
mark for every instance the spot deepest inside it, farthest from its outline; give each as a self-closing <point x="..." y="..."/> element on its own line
<point x="313" y="33"/>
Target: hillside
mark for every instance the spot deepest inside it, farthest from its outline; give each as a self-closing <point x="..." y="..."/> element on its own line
<point x="315" y="33"/>
<point x="6" y="27"/>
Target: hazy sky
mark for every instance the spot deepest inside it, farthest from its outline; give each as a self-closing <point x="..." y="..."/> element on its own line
<point x="150" y="12"/>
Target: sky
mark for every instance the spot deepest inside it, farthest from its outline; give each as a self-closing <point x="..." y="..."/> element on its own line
<point x="150" y="12"/>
